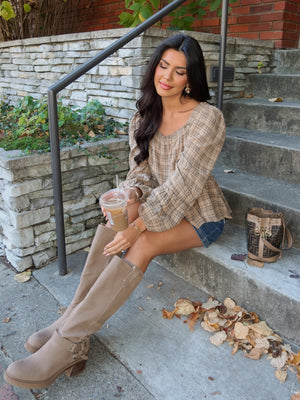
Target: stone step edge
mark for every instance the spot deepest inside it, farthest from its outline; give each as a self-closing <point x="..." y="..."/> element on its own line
<point x="258" y="186"/>
<point x="269" y="139"/>
<point x="263" y="102"/>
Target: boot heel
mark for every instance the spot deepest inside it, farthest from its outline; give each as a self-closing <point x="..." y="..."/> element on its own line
<point x="75" y="369"/>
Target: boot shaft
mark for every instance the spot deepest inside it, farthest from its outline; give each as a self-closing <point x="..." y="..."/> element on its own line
<point x="107" y="295"/>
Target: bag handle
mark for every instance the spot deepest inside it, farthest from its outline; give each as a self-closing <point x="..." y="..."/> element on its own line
<point x="289" y="238"/>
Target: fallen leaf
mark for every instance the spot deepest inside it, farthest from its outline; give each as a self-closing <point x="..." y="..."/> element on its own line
<point x="192" y="320"/>
<point x="295" y="396"/>
<point x="168" y="314"/>
<point x="139" y="371"/>
<point x="211" y="304"/>
<point x="206" y="327"/>
<point x="276" y="100"/>
<point x="150" y="286"/>
<point x="229" y="303"/>
<point x="255" y="353"/>
<point x="218" y="338"/>
<point x="261" y="328"/>
<point x="235" y="348"/>
<point x="241" y="330"/>
<point x="184" y="307"/>
<point x="23" y="276"/>
<point x="295" y="359"/>
<point x="262" y="343"/>
<point x="279" y="362"/>
<point x="91" y="134"/>
<point x="6" y="320"/>
<point x="281" y="375"/>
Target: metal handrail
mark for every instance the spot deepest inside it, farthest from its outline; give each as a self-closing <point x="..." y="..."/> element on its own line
<point x="53" y="120"/>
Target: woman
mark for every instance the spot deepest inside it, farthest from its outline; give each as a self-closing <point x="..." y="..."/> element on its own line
<point x="175" y="204"/>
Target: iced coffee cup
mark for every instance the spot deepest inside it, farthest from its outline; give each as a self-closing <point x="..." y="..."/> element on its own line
<point x="114" y="204"/>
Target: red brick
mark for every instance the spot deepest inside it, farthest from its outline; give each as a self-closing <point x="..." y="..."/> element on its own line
<point x="240" y="11"/>
<point x="271" y="35"/>
<point x="232" y="20"/>
<point x="239" y="28"/>
<point x="211" y="22"/>
<point x="292" y="17"/>
<point x="260" y="27"/>
<point x="274" y="16"/>
<point x="278" y="25"/>
<point x="266" y="8"/>
<point x="290" y="35"/>
<point x="248" y="19"/>
<point x="280" y="5"/>
<point x="249" y="35"/>
<point x="248" y="2"/>
<point x="286" y="44"/>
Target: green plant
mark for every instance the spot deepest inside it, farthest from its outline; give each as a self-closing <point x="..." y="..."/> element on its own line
<point x="183" y="18"/>
<point x="26" y="126"/>
<point x="141" y="10"/>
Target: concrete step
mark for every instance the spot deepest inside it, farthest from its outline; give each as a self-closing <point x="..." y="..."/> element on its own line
<point x="286" y="61"/>
<point x="166" y="359"/>
<point x="285" y="86"/>
<point x="262" y="115"/>
<point x="244" y="190"/>
<point x="273" y="155"/>
<point x="270" y="291"/>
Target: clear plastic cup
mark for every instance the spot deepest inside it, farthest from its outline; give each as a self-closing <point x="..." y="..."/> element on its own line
<point x="114" y="204"/>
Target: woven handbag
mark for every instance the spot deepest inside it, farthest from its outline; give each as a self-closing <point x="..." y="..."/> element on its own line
<point x="266" y="235"/>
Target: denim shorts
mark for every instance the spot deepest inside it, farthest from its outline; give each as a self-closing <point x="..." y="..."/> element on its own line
<point x="210" y="231"/>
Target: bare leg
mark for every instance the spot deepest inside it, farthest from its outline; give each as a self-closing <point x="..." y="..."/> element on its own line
<point x="151" y="244"/>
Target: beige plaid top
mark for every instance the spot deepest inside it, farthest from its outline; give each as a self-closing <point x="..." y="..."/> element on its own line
<point x="176" y="179"/>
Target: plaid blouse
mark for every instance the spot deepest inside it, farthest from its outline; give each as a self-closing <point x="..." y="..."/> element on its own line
<point x="176" y="180"/>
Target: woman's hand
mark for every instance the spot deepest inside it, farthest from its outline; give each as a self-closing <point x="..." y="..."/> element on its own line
<point x="134" y="194"/>
<point x="122" y="241"/>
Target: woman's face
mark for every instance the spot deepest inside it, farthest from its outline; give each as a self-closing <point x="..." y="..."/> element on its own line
<point x="170" y="76"/>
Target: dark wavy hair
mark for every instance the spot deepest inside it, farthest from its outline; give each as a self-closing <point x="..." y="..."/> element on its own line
<point x="149" y="104"/>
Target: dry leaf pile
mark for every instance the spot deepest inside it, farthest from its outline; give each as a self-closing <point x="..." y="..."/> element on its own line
<point x="243" y="330"/>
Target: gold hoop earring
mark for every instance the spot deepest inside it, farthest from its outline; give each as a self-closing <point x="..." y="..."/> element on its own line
<point x="187" y="90"/>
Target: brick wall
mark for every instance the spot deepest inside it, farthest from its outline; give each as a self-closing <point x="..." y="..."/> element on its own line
<point x="277" y="20"/>
<point x="260" y="19"/>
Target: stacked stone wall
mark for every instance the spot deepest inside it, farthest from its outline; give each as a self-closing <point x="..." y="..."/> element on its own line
<point x="27" y="214"/>
<point x="31" y="66"/>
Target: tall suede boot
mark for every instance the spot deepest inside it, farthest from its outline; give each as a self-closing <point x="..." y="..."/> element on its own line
<point x="67" y="350"/>
<point x="94" y="265"/>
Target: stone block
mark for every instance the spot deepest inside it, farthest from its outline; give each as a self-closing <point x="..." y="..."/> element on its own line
<point x="19" y="263"/>
<point x="45" y="238"/>
<point x="22" y="188"/>
<point x="29" y="218"/>
<point x="18" y="237"/>
<point x="44" y="257"/>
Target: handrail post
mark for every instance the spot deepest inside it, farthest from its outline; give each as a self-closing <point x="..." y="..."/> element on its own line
<point x="222" y="53"/>
<point x="57" y="183"/>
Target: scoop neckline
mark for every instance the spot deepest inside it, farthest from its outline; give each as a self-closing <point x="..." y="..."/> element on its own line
<point x="175" y="133"/>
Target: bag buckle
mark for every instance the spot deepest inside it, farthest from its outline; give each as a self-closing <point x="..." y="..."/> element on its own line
<point x="263" y="232"/>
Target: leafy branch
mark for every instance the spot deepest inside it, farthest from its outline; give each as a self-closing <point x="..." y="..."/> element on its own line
<point x="183" y="18"/>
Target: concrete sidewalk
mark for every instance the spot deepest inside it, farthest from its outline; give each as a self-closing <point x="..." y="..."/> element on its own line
<point x="137" y="355"/>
